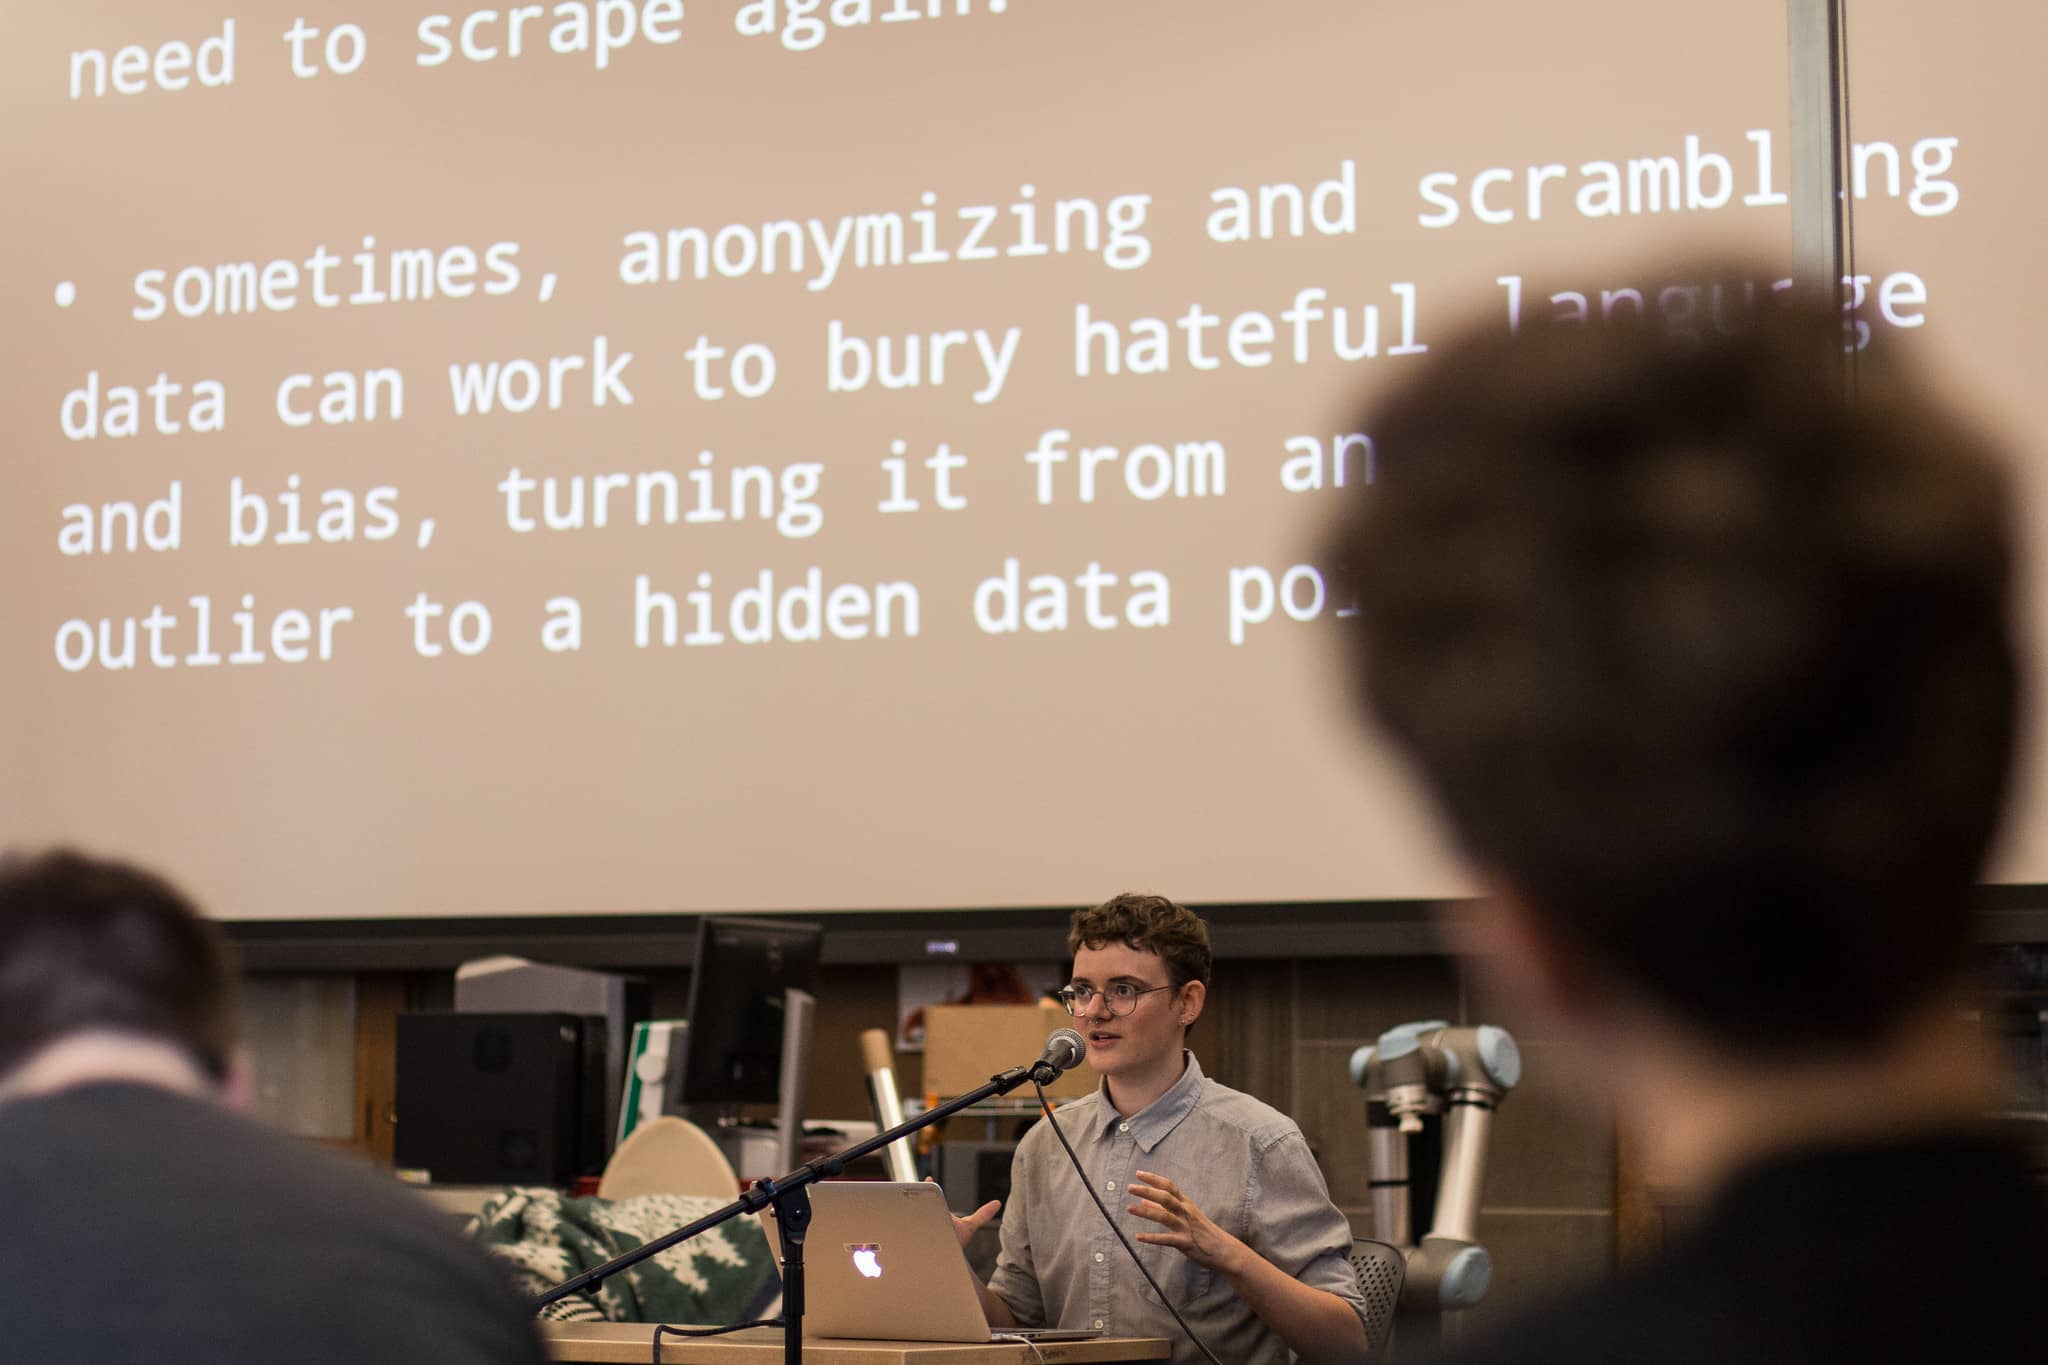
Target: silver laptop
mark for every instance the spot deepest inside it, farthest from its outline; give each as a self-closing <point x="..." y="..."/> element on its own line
<point x="881" y="1263"/>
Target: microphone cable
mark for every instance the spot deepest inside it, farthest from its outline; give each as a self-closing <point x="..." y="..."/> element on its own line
<point x="1015" y="1338"/>
<point x="663" y="1329"/>
<point x="1046" y="1106"/>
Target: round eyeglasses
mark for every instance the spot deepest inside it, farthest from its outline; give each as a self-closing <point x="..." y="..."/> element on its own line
<point x="1122" y="996"/>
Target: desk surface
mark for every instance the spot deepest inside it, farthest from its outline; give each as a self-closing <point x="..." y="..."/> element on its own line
<point x="600" y="1343"/>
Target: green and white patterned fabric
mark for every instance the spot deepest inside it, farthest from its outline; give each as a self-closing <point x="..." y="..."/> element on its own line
<point x="723" y="1276"/>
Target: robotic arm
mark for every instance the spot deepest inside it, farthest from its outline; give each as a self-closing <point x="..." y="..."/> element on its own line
<point x="1431" y="1091"/>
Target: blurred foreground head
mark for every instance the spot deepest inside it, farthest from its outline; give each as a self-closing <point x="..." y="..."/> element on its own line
<point x="1707" y="662"/>
<point x="95" y="947"/>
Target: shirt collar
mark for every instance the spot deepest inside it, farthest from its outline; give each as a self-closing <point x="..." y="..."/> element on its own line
<point x="1150" y="1125"/>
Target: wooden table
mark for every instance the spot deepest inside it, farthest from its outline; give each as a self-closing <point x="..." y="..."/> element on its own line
<point x="603" y="1343"/>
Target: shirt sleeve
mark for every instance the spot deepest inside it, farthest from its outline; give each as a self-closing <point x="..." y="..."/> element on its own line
<point x="1296" y="1226"/>
<point x="1015" y="1280"/>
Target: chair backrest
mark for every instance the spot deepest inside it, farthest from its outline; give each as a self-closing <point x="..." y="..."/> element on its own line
<point x="1380" y="1268"/>
<point x="668" y="1155"/>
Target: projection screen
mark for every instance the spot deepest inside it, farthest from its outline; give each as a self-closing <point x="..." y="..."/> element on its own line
<point x="636" y="456"/>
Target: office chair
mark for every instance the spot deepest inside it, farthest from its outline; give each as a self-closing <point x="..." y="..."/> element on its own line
<point x="1380" y="1268"/>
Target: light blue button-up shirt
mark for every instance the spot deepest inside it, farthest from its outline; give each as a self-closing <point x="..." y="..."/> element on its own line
<point x="1247" y="1166"/>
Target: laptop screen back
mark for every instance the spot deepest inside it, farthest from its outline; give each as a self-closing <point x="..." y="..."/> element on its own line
<point x="882" y="1263"/>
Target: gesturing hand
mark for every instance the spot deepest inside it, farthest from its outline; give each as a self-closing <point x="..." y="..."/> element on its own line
<point x="1186" y="1228"/>
<point x="965" y="1228"/>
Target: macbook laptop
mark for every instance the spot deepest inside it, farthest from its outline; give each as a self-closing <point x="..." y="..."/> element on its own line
<point x="881" y="1263"/>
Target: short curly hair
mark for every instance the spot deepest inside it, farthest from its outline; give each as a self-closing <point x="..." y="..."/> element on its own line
<point x="1149" y="924"/>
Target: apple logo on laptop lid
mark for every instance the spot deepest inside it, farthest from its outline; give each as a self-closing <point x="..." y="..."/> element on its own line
<point x="867" y="1259"/>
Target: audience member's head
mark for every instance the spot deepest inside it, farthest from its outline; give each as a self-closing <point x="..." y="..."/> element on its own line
<point x="89" y="947"/>
<point x="1705" y="658"/>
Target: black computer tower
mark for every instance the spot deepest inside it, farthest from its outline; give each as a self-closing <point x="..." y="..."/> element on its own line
<point x="501" y="1099"/>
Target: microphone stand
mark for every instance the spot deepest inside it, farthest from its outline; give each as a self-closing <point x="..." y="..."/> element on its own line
<point x="791" y="1197"/>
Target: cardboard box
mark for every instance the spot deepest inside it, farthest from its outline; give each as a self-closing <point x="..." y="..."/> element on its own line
<point x="964" y="1045"/>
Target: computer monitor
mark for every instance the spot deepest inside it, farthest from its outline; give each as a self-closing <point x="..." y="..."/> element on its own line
<point x="732" y="1048"/>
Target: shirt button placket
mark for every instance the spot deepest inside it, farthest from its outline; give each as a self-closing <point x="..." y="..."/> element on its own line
<point x="1098" y="1277"/>
<point x="1121" y="1150"/>
<point x="1124" y="1150"/>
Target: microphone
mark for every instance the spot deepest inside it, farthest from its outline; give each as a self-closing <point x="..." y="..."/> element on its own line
<point x="1063" y="1052"/>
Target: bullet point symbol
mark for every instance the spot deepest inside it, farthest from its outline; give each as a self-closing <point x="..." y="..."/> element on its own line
<point x="67" y="294"/>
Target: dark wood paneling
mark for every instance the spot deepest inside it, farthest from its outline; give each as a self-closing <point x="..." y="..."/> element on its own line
<point x="1355" y="999"/>
<point x="1538" y="1256"/>
<point x="1245" y="1036"/>
<point x="1331" y="1112"/>
<point x="850" y="1001"/>
<point x="380" y="998"/>
<point x="1553" y="1138"/>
